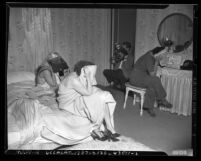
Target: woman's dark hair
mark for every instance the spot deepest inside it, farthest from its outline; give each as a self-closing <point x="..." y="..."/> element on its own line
<point x="123" y="51"/>
<point x="80" y="64"/>
<point x="157" y="50"/>
<point x="127" y="44"/>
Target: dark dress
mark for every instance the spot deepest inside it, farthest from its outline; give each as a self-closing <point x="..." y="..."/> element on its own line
<point x="117" y="75"/>
<point x="140" y="77"/>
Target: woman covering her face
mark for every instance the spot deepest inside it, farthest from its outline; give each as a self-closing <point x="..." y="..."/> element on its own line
<point x="47" y="73"/>
<point x="85" y="111"/>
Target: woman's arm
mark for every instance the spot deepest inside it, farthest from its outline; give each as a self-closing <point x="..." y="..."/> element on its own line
<point x="85" y="91"/>
<point x="66" y="72"/>
<point x="155" y="68"/>
<point x="50" y="79"/>
<point x="76" y="84"/>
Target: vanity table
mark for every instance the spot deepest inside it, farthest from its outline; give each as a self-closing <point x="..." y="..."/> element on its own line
<point x="176" y="32"/>
<point x="178" y="86"/>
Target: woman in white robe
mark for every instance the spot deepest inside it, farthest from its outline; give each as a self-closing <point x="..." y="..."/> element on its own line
<point x="83" y="108"/>
<point x="82" y="111"/>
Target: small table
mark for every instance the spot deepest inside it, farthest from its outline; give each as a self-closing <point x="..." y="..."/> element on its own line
<point x="178" y="86"/>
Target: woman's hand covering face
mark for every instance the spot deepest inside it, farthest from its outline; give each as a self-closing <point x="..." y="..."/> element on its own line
<point x="90" y="72"/>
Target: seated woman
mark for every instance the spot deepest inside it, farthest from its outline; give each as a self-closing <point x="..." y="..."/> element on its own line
<point x="85" y="111"/>
<point x="117" y="75"/>
<point x="47" y="73"/>
<point x="144" y="75"/>
<point x="122" y="62"/>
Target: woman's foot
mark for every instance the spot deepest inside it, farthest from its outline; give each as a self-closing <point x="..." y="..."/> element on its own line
<point x="112" y="136"/>
<point x="150" y="111"/>
<point x="116" y="135"/>
<point x="164" y="103"/>
<point x="99" y="135"/>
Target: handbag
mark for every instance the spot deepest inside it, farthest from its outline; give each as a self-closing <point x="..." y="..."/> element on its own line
<point x="187" y="65"/>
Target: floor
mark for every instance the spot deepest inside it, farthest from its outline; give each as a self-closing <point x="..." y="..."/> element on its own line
<point x="166" y="131"/>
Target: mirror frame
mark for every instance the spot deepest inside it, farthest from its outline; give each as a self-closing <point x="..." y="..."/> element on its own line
<point x="181" y="47"/>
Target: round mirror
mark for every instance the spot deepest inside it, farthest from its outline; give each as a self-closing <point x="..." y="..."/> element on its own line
<point x="176" y="30"/>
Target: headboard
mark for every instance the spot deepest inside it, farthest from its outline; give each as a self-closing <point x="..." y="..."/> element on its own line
<point x="13" y="77"/>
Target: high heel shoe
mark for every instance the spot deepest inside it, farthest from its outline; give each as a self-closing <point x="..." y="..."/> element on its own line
<point x="97" y="137"/>
<point x="116" y="135"/>
<point x="111" y="136"/>
<point x="109" y="133"/>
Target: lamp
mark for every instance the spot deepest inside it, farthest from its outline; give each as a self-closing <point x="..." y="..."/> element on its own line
<point x="167" y="43"/>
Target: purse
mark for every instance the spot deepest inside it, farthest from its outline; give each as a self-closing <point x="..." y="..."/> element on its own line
<point x="187" y="65"/>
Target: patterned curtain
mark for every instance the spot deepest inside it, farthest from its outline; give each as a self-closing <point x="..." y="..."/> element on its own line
<point x="30" y="38"/>
<point x="38" y="38"/>
<point x="83" y="34"/>
<point x="76" y="34"/>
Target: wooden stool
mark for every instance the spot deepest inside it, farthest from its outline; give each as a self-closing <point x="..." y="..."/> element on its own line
<point x="141" y="91"/>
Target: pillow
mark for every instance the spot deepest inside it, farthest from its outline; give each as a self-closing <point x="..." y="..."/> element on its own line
<point x="171" y="61"/>
<point x="13" y="77"/>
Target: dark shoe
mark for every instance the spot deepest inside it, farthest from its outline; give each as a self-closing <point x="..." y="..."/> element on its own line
<point x="111" y="136"/>
<point x="109" y="133"/>
<point x="116" y="135"/>
<point x="151" y="112"/>
<point x="164" y="103"/>
<point x="95" y="136"/>
<point x="112" y="139"/>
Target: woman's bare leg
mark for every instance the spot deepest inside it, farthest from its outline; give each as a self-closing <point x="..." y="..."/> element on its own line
<point x="107" y="119"/>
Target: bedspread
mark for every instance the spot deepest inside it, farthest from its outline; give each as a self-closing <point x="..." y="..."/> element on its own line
<point x="25" y="106"/>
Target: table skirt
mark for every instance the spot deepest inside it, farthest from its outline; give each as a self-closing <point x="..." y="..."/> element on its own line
<point x="178" y="86"/>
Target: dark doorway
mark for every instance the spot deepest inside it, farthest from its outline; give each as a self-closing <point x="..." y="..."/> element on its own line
<point x="124" y="25"/>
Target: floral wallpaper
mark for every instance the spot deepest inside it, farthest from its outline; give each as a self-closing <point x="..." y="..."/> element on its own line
<point x="30" y="38"/>
<point x="83" y="34"/>
<point x="77" y="34"/>
<point x="147" y="24"/>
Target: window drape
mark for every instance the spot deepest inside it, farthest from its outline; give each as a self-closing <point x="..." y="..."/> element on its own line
<point x="30" y="31"/>
<point x="75" y="33"/>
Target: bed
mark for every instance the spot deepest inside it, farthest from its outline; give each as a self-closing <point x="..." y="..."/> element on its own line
<point x="25" y="103"/>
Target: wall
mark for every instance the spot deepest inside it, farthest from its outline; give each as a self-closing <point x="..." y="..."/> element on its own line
<point x="125" y="25"/>
<point x="30" y="38"/>
<point x="76" y="34"/>
<point x="83" y="34"/>
<point x="147" y="24"/>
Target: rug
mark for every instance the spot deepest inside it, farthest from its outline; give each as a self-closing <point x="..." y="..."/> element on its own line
<point x="125" y="144"/>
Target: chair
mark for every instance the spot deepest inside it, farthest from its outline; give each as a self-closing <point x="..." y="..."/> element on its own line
<point x="138" y="90"/>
